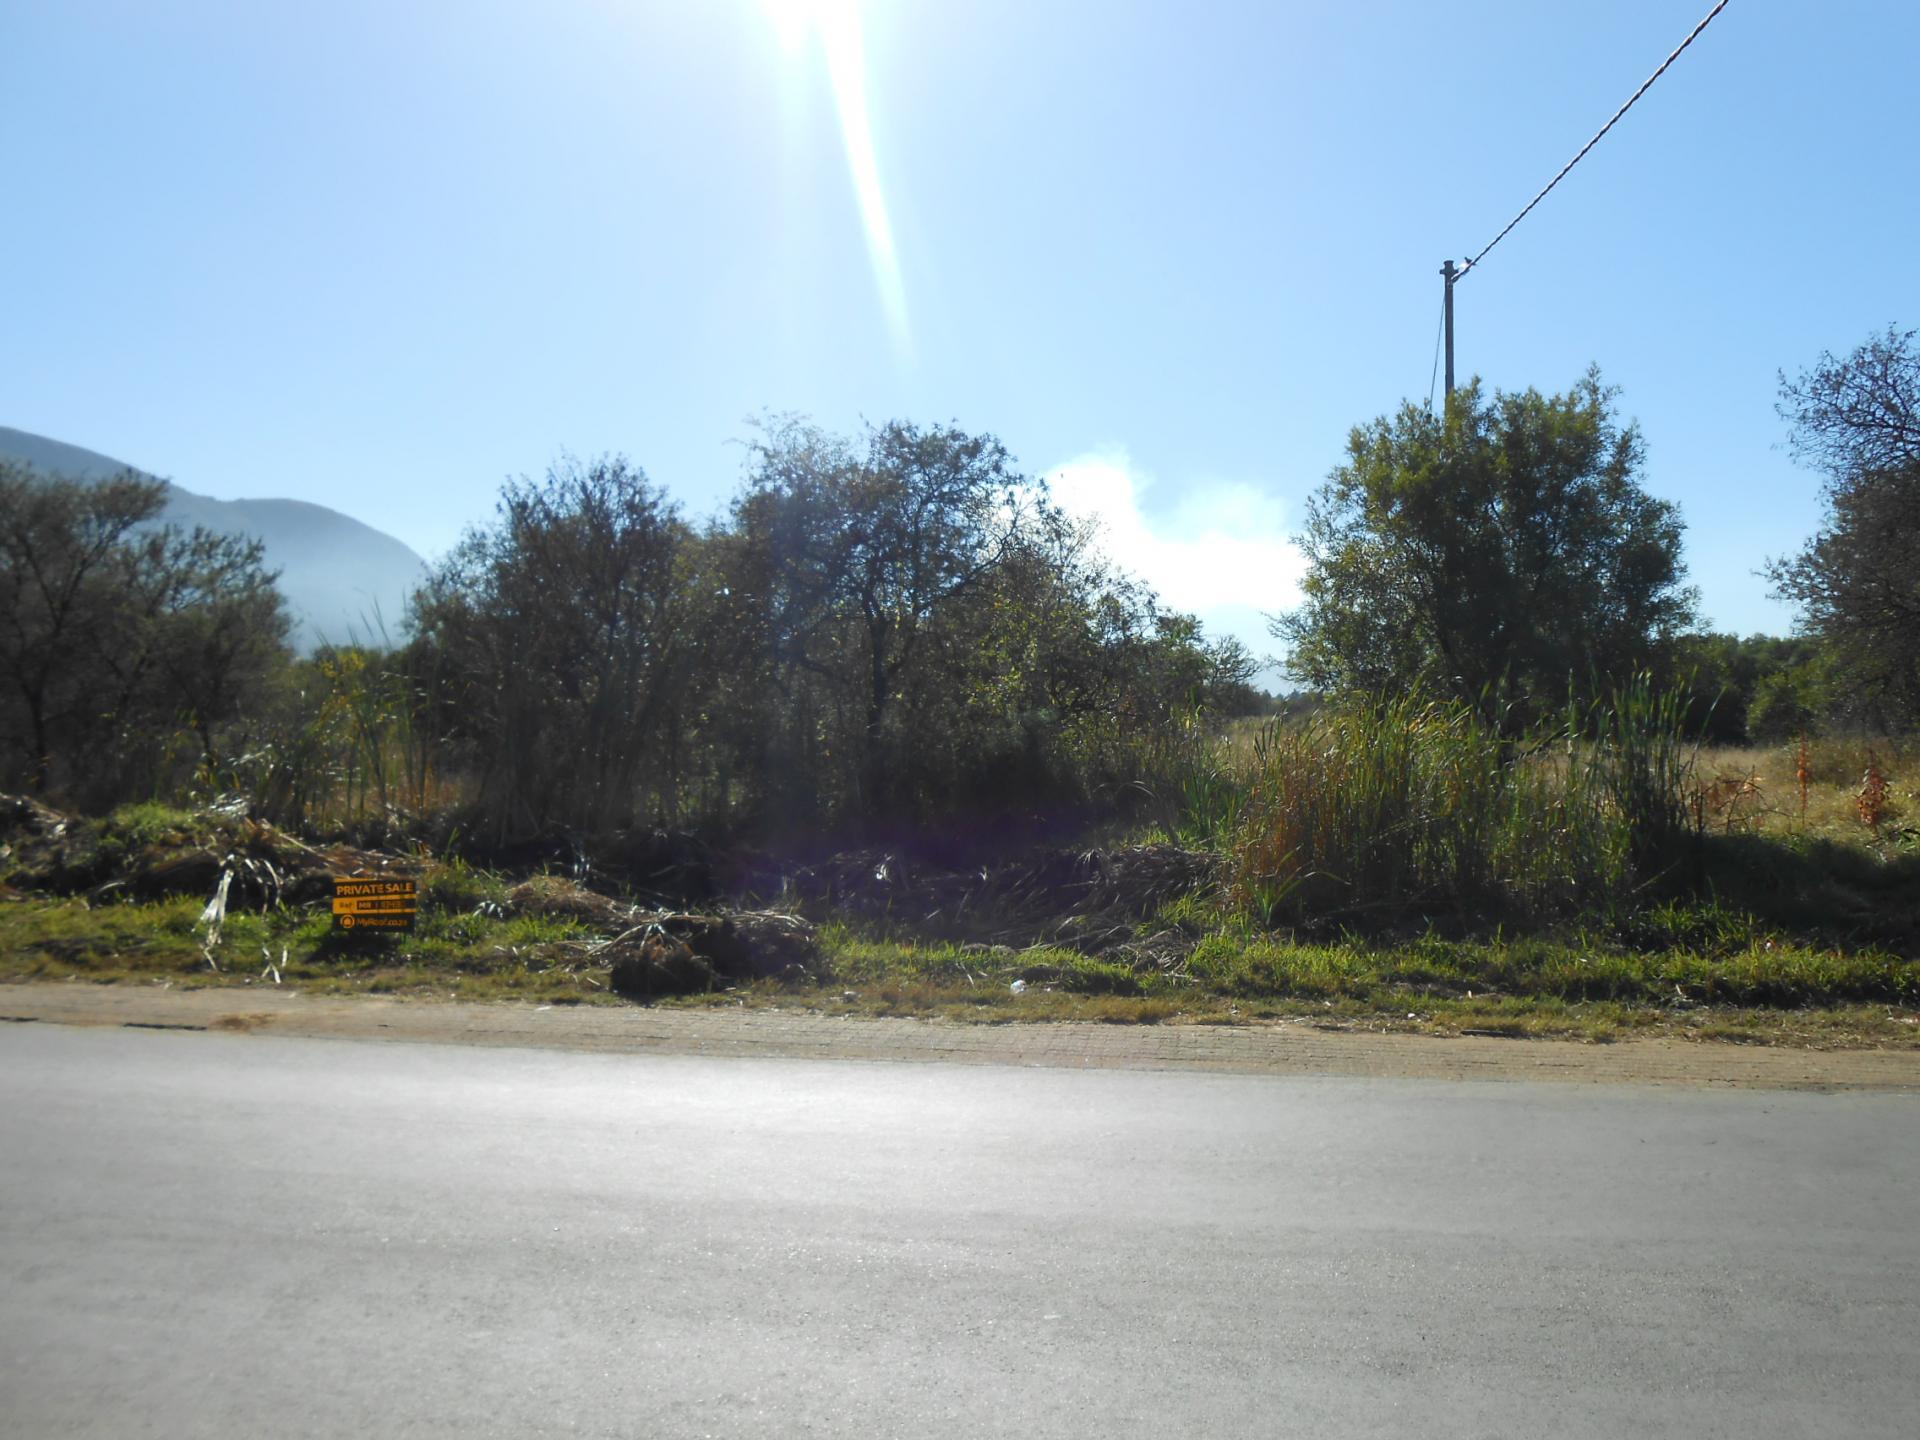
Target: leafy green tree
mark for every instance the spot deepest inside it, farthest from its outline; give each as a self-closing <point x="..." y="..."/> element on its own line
<point x="561" y="631"/>
<point x="854" y="551"/>
<point x="221" y="641"/>
<point x="1726" y="677"/>
<point x="1857" y="582"/>
<point x="1499" y="553"/>
<point x="1050" y="682"/>
<point x="936" y="637"/>
<point x="1790" y="701"/>
<point x="117" y="631"/>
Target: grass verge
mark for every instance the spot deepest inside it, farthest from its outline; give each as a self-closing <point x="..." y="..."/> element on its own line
<point x="1713" y="979"/>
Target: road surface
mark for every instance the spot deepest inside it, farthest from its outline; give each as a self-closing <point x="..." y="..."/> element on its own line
<point x="206" y="1234"/>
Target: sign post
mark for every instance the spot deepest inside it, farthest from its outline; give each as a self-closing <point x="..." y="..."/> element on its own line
<point x="361" y="905"/>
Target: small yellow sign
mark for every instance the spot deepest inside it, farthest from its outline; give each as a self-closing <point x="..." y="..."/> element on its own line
<point x="361" y="904"/>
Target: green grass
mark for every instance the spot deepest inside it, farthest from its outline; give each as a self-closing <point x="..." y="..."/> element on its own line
<point x="1729" y="982"/>
<point x="454" y="885"/>
<point x="133" y="829"/>
<point x="1726" y="983"/>
<point x="1399" y="867"/>
<point x="472" y="954"/>
<point x="1768" y="973"/>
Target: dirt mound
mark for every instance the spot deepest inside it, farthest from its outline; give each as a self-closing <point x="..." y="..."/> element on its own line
<point x="35" y="842"/>
<point x="31" y="841"/>
<point x="21" y="816"/>
<point x="147" y="853"/>
<point x="1071" y="897"/>
<point x="652" y="953"/>
<point x="668" y="953"/>
<point x="556" y="898"/>
<point x="662" y="867"/>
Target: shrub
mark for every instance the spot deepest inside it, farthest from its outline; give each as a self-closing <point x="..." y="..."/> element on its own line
<point x="1385" y="806"/>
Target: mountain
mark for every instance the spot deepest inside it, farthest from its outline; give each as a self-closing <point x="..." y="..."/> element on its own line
<point x="342" y="578"/>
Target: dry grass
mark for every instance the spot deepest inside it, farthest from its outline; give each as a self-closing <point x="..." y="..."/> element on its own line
<point x="1751" y="788"/>
<point x="1759" y="788"/>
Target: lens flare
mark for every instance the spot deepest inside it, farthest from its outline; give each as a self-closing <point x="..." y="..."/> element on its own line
<point x="837" y="23"/>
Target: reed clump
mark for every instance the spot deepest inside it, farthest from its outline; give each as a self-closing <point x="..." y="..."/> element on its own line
<point x="1408" y="806"/>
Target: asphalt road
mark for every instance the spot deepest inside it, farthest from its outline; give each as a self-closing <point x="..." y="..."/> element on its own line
<point x="223" y="1235"/>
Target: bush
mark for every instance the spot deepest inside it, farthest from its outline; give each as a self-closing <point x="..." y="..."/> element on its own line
<point x="1383" y="807"/>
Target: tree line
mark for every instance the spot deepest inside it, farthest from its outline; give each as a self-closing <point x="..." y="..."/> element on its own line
<point x="899" y="627"/>
<point x="891" y="628"/>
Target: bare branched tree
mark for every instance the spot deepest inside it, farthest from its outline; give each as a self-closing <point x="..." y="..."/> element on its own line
<point x="1857" y="582"/>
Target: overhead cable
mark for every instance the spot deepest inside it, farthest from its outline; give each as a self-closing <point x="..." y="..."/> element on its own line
<point x="1648" y="85"/>
<point x="1433" y="378"/>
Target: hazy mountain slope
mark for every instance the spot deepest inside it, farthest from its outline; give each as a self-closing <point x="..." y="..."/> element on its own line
<point x="337" y="573"/>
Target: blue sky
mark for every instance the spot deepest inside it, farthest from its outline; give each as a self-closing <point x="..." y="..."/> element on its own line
<point x="384" y="255"/>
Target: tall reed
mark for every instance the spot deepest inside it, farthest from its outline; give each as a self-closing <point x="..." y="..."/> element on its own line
<point x="1645" y="765"/>
<point x="1405" y="805"/>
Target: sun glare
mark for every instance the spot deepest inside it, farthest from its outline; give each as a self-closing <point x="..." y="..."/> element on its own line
<point x="792" y="19"/>
<point x="837" y="24"/>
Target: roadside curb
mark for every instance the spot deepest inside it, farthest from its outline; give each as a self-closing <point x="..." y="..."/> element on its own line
<point x="1277" y="1049"/>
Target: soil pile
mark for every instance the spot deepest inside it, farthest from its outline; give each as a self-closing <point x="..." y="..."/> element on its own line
<point x="151" y="855"/>
<point x="1088" y="900"/>
<point x="678" y="953"/>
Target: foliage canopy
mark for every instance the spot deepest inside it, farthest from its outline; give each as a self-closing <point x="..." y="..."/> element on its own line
<point x="1499" y="553"/>
<point x="118" y="632"/>
<point x="883" y="630"/>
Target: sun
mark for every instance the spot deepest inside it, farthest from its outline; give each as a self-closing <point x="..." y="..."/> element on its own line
<point x="794" y="20"/>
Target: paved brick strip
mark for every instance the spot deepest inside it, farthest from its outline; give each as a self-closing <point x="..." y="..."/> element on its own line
<point x="1281" y="1049"/>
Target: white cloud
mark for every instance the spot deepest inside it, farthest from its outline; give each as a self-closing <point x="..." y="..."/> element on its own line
<point x="1219" y="550"/>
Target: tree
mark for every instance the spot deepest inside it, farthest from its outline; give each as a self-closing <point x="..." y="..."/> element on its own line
<point x="883" y="632"/>
<point x="1789" y="701"/>
<point x="221" y="636"/>
<point x="115" y="630"/>
<point x="930" y="636"/>
<point x="1727" y="678"/>
<point x="1857" y="582"/>
<point x="562" y="629"/>
<point x="853" y="552"/>
<point x="1499" y="553"/>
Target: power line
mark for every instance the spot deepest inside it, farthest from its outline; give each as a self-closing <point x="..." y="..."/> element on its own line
<point x="1439" y="326"/>
<point x="1691" y="37"/>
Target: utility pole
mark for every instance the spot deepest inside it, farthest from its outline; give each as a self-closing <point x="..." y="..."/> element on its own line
<point x="1451" y="275"/>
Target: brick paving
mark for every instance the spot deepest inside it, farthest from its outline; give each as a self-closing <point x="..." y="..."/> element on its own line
<point x="1281" y="1049"/>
